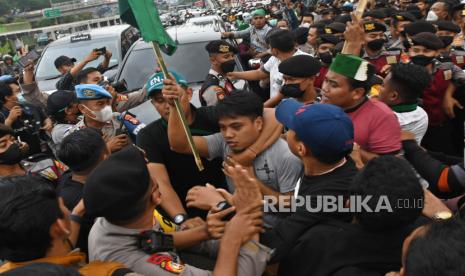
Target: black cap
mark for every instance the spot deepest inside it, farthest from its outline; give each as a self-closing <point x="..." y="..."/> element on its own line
<point x="347" y="8"/>
<point x="300" y="66"/>
<point x="343" y="18"/>
<point x="371" y="27"/>
<point x="428" y="40"/>
<point x="59" y="100"/>
<point x="419" y="27"/>
<point x="220" y="47"/>
<point x="300" y="35"/>
<point x="64" y="60"/>
<point x="117" y="184"/>
<point x="404" y="16"/>
<point x="378" y="14"/>
<point x="444" y="25"/>
<point x="328" y="38"/>
<point x="337" y="27"/>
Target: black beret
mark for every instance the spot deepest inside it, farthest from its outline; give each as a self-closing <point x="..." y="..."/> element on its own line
<point x="343" y="18"/>
<point x="328" y="38"/>
<point x="337" y="27"/>
<point x="117" y="184"/>
<point x="404" y="16"/>
<point x="300" y="66"/>
<point x="419" y="27"/>
<point x="371" y="27"/>
<point x="220" y="47"/>
<point x="444" y="25"/>
<point x="300" y="35"/>
<point x="347" y="8"/>
<point x="428" y="40"/>
<point x="378" y="14"/>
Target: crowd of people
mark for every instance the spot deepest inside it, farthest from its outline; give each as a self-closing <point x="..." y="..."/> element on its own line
<point x="343" y="157"/>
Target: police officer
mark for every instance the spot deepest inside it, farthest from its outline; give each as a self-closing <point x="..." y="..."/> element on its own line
<point x="375" y="52"/>
<point x="299" y="74"/>
<point x="398" y="22"/>
<point x="336" y="28"/>
<point x="122" y="193"/>
<point x="447" y="31"/>
<point x="95" y="105"/>
<point x="325" y="46"/>
<point x="438" y="100"/>
<point x="216" y="85"/>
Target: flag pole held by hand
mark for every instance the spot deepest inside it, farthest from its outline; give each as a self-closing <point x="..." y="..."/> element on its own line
<point x="358" y="14"/>
<point x="181" y="114"/>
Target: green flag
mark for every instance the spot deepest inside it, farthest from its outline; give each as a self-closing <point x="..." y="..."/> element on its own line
<point x="143" y="15"/>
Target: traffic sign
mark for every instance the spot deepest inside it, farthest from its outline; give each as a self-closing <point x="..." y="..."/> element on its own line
<point x="52" y="13"/>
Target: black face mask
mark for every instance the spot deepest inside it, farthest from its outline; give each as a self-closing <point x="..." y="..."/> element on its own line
<point x="326" y="57"/>
<point x="292" y="90"/>
<point x="11" y="156"/>
<point x="447" y="40"/>
<point x="376" y="44"/>
<point x="228" y="66"/>
<point x="422" y="60"/>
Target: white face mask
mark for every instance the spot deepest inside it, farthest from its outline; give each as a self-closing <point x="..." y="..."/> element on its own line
<point x="432" y="16"/>
<point x="305" y="25"/>
<point x="103" y="115"/>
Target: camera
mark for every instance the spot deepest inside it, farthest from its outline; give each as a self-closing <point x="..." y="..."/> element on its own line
<point x="119" y="86"/>
<point x="101" y="51"/>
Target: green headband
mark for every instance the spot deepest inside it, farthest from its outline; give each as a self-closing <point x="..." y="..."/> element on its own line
<point x="259" y="12"/>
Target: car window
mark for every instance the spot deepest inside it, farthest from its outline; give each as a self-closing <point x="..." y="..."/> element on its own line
<point x="46" y="67"/>
<point x="191" y="60"/>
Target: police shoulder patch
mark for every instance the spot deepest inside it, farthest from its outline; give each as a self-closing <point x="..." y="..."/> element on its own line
<point x="166" y="262"/>
<point x="391" y="59"/>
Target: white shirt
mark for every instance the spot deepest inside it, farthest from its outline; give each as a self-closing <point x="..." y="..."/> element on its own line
<point x="415" y="122"/>
<point x="276" y="78"/>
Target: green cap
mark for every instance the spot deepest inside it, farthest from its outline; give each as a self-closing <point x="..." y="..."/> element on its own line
<point x="350" y="66"/>
<point x="258" y="12"/>
<point x="155" y="82"/>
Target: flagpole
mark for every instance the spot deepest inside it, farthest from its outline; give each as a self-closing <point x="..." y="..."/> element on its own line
<point x="181" y="115"/>
<point x="358" y="13"/>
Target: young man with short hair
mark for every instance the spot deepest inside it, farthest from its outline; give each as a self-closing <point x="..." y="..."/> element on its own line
<point x="401" y="90"/>
<point x="347" y="83"/>
<point x="240" y="117"/>
<point x="81" y="151"/>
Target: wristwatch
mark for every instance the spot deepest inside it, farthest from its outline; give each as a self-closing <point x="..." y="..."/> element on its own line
<point x="180" y="219"/>
<point x="443" y="215"/>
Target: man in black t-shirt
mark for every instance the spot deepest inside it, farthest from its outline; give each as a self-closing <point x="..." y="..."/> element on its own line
<point x="321" y="135"/>
<point x="177" y="173"/>
<point x="81" y="151"/>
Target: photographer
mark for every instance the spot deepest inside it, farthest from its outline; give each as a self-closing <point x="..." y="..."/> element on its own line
<point x="29" y="122"/>
<point x="69" y="70"/>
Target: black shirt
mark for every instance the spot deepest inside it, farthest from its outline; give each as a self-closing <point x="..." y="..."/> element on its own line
<point x="27" y="126"/>
<point x="71" y="192"/>
<point x="66" y="82"/>
<point x="182" y="168"/>
<point x="333" y="246"/>
<point x="284" y="236"/>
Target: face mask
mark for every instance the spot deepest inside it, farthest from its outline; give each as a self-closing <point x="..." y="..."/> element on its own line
<point x="326" y="57"/>
<point x="305" y="25"/>
<point x="432" y="16"/>
<point x="447" y="40"/>
<point x="376" y="44"/>
<point x="228" y="66"/>
<point x="11" y="156"/>
<point x="103" y="115"/>
<point x="292" y="90"/>
<point x="21" y="99"/>
<point x="422" y="60"/>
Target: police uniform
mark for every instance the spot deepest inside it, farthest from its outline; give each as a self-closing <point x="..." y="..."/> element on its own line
<point x="216" y="86"/>
<point x="455" y="54"/>
<point x="94" y="92"/>
<point x="119" y="183"/>
<point x="325" y="39"/>
<point x="384" y="57"/>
